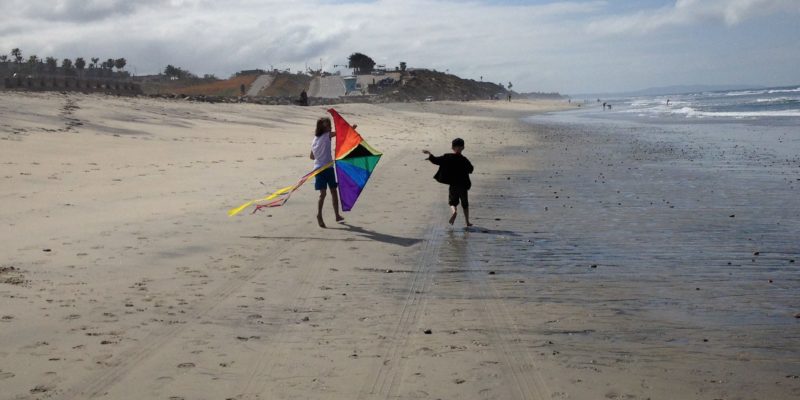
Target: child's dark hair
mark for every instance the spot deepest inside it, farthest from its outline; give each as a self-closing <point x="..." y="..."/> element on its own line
<point x="322" y="125"/>
<point x="458" y="142"/>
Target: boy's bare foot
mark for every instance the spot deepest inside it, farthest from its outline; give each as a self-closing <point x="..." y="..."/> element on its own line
<point x="469" y="224"/>
<point x="453" y="217"/>
<point x="320" y="221"/>
<point x="339" y="218"/>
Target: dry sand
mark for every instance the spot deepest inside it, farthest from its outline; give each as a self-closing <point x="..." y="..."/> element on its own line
<point x="123" y="278"/>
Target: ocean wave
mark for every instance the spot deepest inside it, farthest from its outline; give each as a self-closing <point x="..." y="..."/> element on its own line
<point x="658" y="103"/>
<point x="691" y="112"/>
<point x="746" y="92"/>
<point x="762" y="91"/>
<point x="778" y="100"/>
<point x="773" y="91"/>
<point x="643" y="103"/>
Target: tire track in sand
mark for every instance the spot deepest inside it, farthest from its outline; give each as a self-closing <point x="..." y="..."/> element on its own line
<point x="259" y="377"/>
<point x="503" y="330"/>
<point x="382" y="383"/>
<point x="97" y="384"/>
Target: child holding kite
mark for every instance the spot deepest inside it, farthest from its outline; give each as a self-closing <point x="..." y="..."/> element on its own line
<point x="321" y="154"/>
<point x="454" y="170"/>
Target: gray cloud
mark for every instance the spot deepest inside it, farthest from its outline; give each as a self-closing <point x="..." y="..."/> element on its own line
<point x="76" y="11"/>
<point x="538" y="47"/>
<point x="686" y="12"/>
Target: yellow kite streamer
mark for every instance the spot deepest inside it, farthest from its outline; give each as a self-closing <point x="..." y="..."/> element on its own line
<point x="282" y="194"/>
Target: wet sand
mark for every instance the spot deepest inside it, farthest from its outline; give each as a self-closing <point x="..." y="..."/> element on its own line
<point x="645" y="262"/>
<point x="124" y="278"/>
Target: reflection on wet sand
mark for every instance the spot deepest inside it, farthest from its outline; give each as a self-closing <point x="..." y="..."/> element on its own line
<point x="638" y="260"/>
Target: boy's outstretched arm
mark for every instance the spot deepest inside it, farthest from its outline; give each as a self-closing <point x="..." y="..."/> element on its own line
<point x="432" y="158"/>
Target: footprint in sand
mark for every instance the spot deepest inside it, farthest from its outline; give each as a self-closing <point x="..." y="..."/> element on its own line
<point x="41" y="389"/>
<point x="186" y="365"/>
<point x="6" y="375"/>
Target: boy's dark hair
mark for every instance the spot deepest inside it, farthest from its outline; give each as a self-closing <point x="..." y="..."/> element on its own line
<point x="322" y="125"/>
<point x="458" y="142"/>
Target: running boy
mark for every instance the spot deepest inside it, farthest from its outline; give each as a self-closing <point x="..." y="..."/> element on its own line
<point x="454" y="170"/>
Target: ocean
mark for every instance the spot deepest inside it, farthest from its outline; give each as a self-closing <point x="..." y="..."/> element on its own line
<point x="663" y="236"/>
<point x="769" y="105"/>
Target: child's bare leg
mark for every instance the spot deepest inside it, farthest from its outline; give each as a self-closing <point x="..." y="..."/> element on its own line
<point x="335" y="199"/>
<point x="453" y="214"/>
<point x="466" y="216"/>
<point x="319" y="207"/>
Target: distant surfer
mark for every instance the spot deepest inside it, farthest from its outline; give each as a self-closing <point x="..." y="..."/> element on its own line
<point x="667" y="102"/>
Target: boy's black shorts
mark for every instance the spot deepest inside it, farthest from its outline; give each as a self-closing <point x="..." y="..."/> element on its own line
<point x="458" y="193"/>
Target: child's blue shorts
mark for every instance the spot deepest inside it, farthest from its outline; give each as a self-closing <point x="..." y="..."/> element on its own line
<point x="326" y="178"/>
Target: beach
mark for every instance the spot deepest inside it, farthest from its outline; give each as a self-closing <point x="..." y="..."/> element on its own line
<point x="607" y="261"/>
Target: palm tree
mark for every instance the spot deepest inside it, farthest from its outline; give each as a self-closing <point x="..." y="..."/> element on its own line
<point x="52" y="63"/>
<point x="95" y="60"/>
<point x="3" y="58"/>
<point x="32" y="61"/>
<point x="80" y="64"/>
<point x="120" y="63"/>
<point x="109" y="64"/>
<point x="17" y="53"/>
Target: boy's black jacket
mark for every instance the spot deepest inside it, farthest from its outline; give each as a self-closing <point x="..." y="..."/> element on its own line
<point x="454" y="169"/>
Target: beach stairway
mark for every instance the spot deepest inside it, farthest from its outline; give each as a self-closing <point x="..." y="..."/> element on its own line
<point x="329" y="87"/>
<point x="261" y="83"/>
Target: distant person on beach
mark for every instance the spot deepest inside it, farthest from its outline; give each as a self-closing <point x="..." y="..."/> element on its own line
<point x="604" y="106"/>
<point x="667" y="102"/>
<point x="303" y="98"/>
<point x="321" y="154"/>
<point x="454" y="170"/>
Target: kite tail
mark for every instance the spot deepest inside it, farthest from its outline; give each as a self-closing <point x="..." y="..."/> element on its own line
<point x="282" y="195"/>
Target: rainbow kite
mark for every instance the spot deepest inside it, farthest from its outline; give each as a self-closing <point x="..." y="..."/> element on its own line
<point x="354" y="160"/>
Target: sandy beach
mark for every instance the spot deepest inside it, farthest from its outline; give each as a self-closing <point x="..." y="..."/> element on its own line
<point x="122" y="277"/>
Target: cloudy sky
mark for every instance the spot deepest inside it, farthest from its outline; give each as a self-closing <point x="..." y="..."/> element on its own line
<point x="539" y="45"/>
